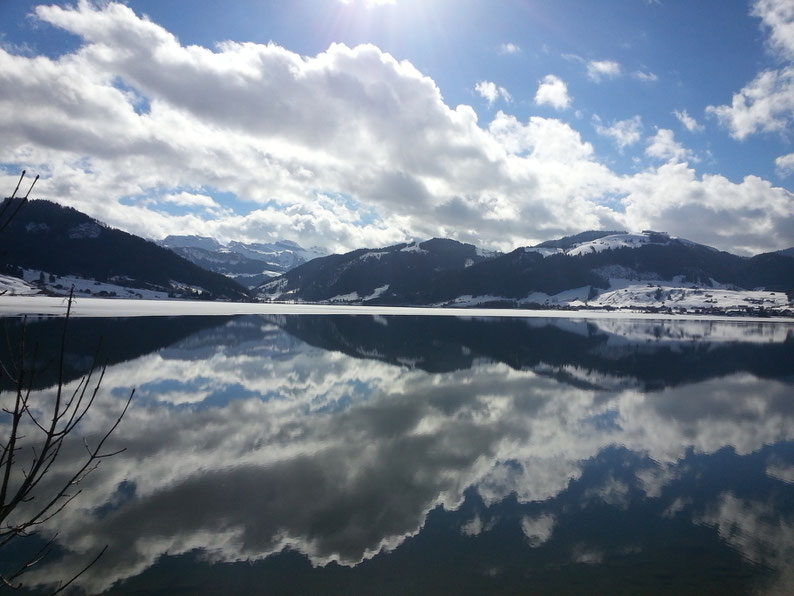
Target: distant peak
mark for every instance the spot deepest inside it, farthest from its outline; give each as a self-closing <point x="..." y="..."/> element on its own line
<point x="567" y="242"/>
<point x="190" y="241"/>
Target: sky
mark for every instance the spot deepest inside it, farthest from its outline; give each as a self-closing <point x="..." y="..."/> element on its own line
<point x="364" y="123"/>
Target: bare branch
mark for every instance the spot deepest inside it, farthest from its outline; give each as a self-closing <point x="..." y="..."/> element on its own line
<point x="18" y="183"/>
<point x="21" y="479"/>
<point x="86" y="568"/>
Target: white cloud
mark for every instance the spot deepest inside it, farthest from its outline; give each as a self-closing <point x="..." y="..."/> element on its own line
<point x="546" y="138"/>
<point x="623" y="132"/>
<point x="344" y="149"/>
<point x="765" y="104"/>
<point x="711" y="208"/>
<point x="785" y="165"/>
<point x="777" y="17"/>
<point x="664" y="146"/>
<point x="553" y="91"/>
<point x="573" y="58"/>
<point x="598" y="70"/>
<point x="538" y="529"/>
<point x="492" y="92"/>
<point x="187" y="199"/>
<point x="509" y="48"/>
<point x="645" y="77"/>
<point x="688" y="121"/>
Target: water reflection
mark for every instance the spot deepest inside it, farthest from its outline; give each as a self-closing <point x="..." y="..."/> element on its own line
<point x="344" y="454"/>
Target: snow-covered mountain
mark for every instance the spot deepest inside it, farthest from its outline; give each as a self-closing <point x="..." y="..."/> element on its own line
<point x="53" y="248"/>
<point x="650" y="270"/>
<point x="283" y="252"/>
<point x="250" y="264"/>
<point x="592" y="242"/>
<point x="191" y="241"/>
<point x="377" y="276"/>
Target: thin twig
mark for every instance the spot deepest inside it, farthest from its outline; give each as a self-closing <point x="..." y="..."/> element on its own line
<point x="21" y="176"/>
<point x="32" y="184"/>
<point x="86" y="568"/>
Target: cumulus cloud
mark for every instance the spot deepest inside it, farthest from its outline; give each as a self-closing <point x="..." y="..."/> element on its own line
<point x="688" y="121"/>
<point x="553" y="91"/>
<point x="188" y="199"/>
<point x="664" y="146"/>
<point x="785" y="165"/>
<point x="343" y="149"/>
<point x="777" y="17"/>
<point x="597" y="70"/>
<point x="491" y="91"/>
<point x="765" y="104"/>
<point x="546" y="138"/>
<point x="212" y="121"/>
<point x="711" y="208"/>
<point x="509" y="48"/>
<point x="623" y="132"/>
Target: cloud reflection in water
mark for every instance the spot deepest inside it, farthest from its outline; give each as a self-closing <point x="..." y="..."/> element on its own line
<point x="247" y="440"/>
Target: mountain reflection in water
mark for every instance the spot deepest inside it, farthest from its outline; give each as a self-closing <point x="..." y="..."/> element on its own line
<point x="359" y="454"/>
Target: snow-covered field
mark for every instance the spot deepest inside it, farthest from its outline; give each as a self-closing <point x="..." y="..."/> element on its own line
<point x="659" y="296"/>
<point x="646" y="295"/>
<point x="34" y="279"/>
<point x="15" y="286"/>
<point x="121" y="307"/>
<point x="39" y="282"/>
<point x="353" y="296"/>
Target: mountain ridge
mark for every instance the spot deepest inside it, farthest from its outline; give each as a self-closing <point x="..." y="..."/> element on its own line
<point x="593" y="268"/>
<point x="52" y="246"/>
<point x="58" y="241"/>
<point x="249" y="264"/>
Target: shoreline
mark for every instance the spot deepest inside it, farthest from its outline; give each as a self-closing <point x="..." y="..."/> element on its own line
<point x="11" y="306"/>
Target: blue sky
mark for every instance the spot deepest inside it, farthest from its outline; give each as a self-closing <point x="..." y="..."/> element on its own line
<point x="369" y="122"/>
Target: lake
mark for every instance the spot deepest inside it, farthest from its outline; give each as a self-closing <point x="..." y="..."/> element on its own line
<point x="374" y="454"/>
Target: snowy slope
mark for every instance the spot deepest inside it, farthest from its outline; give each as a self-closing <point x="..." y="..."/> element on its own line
<point x="626" y="294"/>
<point x="13" y="286"/>
<point x="609" y="242"/>
<point x="689" y="298"/>
<point x="62" y="285"/>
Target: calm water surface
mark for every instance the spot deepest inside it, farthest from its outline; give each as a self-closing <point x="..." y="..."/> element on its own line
<point x="394" y="455"/>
